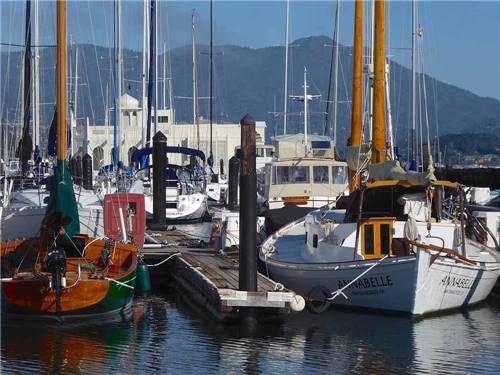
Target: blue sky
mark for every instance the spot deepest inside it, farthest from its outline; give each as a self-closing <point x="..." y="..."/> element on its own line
<point x="461" y="39"/>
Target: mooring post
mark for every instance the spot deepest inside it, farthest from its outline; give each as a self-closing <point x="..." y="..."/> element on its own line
<point x="79" y="170"/>
<point x="159" y="177"/>
<point x="248" y="213"/>
<point x="234" y="171"/>
<point x="87" y="171"/>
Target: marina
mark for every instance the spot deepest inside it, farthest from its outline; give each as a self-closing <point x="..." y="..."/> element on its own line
<point x="188" y="232"/>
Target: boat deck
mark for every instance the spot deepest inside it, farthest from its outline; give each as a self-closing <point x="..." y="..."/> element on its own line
<point x="211" y="280"/>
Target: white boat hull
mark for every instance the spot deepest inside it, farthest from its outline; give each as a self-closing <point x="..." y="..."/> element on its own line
<point x="189" y="208"/>
<point x="25" y="222"/>
<point x="416" y="284"/>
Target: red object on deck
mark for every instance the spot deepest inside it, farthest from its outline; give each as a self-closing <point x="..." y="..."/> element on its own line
<point x="134" y="216"/>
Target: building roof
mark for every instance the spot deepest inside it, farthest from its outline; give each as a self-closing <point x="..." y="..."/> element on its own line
<point x="129" y="102"/>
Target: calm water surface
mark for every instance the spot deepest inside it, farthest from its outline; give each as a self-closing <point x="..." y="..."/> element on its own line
<point x="162" y="335"/>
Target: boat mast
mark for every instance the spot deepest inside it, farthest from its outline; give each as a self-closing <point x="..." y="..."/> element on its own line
<point x="357" y="88"/>
<point x="151" y="67"/>
<point x="75" y="98"/>
<point x="379" y="130"/>
<point x="413" y="163"/>
<point x="25" y="143"/>
<point x="211" y="83"/>
<point x="305" y="111"/>
<point x="164" y="76"/>
<point x="156" y="70"/>
<point x="196" y="119"/>
<point x="285" y="99"/>
<point x="36" y="83"/>
<point x="61" y="101"/>
<point x="335" y="88"/>
<point x="389" y="113"/>
<point x="145" y="31"/>
<point x="118" y="87"/>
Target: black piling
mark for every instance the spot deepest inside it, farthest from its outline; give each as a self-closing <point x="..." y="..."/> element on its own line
<point x="221" y="166"/>
<point x="248" y="214"/>
<point x="234" y="171"/>
<point x="78" y="169"/>
<point x="159" y="177"/>
<point x="87" y="171"/>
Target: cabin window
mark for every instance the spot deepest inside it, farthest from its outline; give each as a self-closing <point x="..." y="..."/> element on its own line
<point x="339" y="175"/>
<point x="385" y="238"/>
<point x="161" y="119"/>
<point x="291" y="175"/>
<point x="260" y="152"/>
<point x="377" y="237"/>
<point x="306" y="238"/>
<point x="315" y="240"/>
<point x="320" y="174"/>
<point x="369" y="239"/>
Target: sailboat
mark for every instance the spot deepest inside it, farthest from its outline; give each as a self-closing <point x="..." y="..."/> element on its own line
<point x="62" y="273"/>
<point x="24" y="199"/>
<point x="392" y="244"/>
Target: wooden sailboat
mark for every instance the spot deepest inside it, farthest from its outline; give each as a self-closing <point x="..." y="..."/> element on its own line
<point x="389" y="245"/>
<point x="62" y="273"/>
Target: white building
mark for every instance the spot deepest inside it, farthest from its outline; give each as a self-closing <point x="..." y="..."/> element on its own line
<point x="226" y="137"/>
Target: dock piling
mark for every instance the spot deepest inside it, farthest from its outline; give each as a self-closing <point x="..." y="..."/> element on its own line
<point x="234" y="170"/>
<point x="87" y="171"/>
<point x="159" y="177"/>
<point x="248" y="214"/>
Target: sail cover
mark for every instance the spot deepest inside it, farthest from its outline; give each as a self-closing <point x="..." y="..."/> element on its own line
<point x="62" y="197"/>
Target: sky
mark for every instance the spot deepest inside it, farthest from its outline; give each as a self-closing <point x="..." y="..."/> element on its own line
<point x="461" y="39"/>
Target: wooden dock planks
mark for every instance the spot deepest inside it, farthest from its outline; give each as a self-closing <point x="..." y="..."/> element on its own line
<point x="211" y="280"/>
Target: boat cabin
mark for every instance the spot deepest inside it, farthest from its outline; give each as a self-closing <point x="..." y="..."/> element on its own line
<point x="317" y="181"/>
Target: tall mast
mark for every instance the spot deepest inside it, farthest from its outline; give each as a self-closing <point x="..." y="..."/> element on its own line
<point x="156" y="70"/>
<point x="285" y="99"/>
<point x="118" y="85"/>
<point x="75" y="98"/>
<point x="145" y="31"/>
<point x="335" y="89"/>
<point x="379" y="131"/>
<point x="36" y="83"/>
<point x="211" y="84"/>
<point x="164" y="77"/>
<point x="305" y="111"/>
<point x="195" y="82"/>
<point x="357" y="86"/>
<point x="25" y="143"/>
<point x="61" y="81"/>
<point x="152" y="53"/>
<point x="413" y="85"/>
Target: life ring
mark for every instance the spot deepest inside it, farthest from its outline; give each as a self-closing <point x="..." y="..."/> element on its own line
<point x="317" y="299"/>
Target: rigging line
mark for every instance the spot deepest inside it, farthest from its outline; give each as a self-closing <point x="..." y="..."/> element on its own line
<point x="425" y="98"/>
<point x="420" y="120"/>
<point x="328" y="96"/>
<point x="32" y="45"/>
<point x="95" y="52"/>
<point x="11" y="18"/>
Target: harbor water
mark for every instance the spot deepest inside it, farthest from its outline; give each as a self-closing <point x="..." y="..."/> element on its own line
<point x="164" y="335"/>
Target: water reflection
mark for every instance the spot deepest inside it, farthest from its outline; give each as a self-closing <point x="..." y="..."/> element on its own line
<point x="162" y="336"/>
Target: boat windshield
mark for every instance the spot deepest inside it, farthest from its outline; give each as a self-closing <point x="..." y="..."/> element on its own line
<point x="339" y="175"/>
<point x="291" y="175"/>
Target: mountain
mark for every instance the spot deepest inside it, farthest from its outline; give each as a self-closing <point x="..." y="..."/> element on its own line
<point x="251" y="80"/>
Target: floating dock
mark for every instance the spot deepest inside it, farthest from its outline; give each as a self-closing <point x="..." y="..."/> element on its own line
<point x="211" y="280"/>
